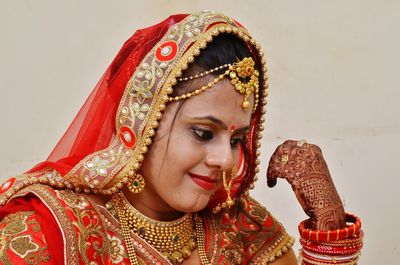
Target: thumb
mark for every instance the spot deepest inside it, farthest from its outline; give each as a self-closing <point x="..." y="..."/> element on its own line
<point x="271" y="178"/>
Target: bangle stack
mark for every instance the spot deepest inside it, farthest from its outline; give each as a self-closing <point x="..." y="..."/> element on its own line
<point x="340" y="246"/>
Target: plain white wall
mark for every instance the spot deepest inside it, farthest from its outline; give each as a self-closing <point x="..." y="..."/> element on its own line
<point x="334" y="78"/>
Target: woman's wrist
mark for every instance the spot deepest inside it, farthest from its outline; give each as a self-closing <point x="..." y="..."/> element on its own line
<point x="328" y="219"/>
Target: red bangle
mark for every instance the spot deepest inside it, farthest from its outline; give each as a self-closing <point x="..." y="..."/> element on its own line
<point x="331" y="235"/>
<point x="330" y="250"/>
<point x="348" y="242"/>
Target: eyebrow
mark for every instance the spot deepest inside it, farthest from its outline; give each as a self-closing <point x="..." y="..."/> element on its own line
<point x="220" y="123"/>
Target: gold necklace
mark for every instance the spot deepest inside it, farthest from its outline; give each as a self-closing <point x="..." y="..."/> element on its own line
<point x="174" y="240"/>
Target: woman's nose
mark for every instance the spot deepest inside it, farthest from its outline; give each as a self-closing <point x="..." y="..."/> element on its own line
<point x="220" y="155"/>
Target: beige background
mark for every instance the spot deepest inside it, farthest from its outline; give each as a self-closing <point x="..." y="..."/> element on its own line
<point x="334" y="80"/>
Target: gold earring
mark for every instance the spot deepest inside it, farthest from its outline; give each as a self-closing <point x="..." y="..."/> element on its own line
<point x="136" y="183"/>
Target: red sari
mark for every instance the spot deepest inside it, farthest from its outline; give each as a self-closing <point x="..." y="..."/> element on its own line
<point x="42" y="225"/>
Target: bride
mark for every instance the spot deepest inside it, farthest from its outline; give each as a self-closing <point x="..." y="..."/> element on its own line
<point x="157" y="165"/>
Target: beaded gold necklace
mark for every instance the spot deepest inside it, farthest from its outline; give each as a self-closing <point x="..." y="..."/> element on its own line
<point x="174" y="240"/>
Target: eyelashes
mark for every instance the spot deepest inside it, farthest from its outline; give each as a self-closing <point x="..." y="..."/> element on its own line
<point x="236" y="141"/>
<point x="202" y="134"/>
<point x="205" y="135"/>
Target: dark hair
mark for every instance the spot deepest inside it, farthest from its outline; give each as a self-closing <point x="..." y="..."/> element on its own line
<point x="224" y="49"/>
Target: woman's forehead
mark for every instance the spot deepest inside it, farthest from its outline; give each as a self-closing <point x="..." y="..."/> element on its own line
<point x="221" y="102"/>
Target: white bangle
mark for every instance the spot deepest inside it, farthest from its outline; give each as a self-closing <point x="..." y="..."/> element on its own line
<point x="331" y="258"/>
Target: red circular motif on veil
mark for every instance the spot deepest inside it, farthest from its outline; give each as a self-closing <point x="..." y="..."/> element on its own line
<point x="7" y="185"/>
<point x="166" y="51"/>
<point x="127" y="136"/>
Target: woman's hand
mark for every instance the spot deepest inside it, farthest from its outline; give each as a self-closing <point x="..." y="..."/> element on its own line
<point x="304" y="167"/>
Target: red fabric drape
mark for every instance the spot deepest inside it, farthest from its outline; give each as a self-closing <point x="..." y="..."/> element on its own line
<point x="94" y="126"/>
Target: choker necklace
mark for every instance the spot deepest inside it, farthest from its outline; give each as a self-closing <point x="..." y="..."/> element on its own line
<point x="175" y="240"/>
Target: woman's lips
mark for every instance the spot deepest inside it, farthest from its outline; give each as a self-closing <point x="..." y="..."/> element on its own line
<point x="207" y="183"/>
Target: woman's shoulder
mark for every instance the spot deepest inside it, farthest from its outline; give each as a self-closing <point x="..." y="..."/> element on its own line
<point x="268" y="237"/>
<point x="28" y="232"/>
<point x="248" y="233"/>
<point x="23" y="239"/>
<point x="58" y="201"/>
<point x="50" y="220"/>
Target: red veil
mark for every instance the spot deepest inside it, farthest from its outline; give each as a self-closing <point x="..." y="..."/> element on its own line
<point x="106" y="141"/>
<point x="94" y="126"/>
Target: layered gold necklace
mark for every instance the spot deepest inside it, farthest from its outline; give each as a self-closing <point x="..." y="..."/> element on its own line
<point x="175" y="240"/>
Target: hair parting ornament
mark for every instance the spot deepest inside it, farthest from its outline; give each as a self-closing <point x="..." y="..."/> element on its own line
<point x="243" y="75"/>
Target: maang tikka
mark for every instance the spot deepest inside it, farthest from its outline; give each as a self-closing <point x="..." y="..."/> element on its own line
<point x="244" y="77"/>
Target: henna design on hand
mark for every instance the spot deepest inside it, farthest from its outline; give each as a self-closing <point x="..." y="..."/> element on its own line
<point x="304" y="167"/>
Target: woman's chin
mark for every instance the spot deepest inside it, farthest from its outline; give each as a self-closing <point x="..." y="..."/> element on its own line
<point x="193" y="205"/>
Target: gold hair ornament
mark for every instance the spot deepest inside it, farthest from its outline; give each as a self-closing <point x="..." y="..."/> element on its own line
<point x="243" y="75"/>
<point x="204" y="73"/>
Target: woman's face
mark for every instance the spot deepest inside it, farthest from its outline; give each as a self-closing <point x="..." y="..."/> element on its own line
<point x="184" y="165"/>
